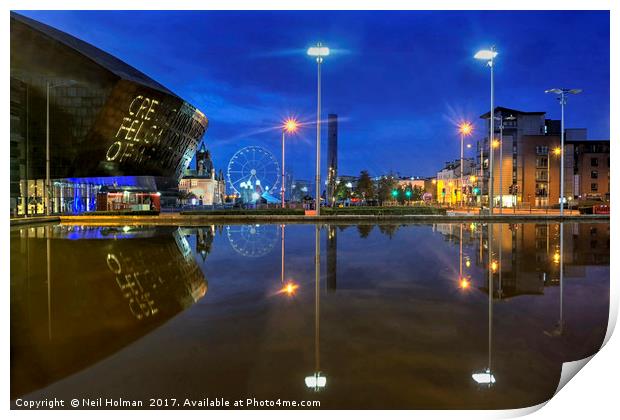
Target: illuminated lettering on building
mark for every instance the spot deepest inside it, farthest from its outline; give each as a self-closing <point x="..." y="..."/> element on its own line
<point x="137" y="130"/>
<point x="159" y="132"/>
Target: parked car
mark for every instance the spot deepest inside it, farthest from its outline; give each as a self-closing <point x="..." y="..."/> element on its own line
<point x="600" y="209"/>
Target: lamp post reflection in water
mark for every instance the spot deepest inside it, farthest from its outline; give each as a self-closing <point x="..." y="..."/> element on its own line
<point x="317" y="380"/>
<point x="559" y="259"/>
<point x="289" y="288"/>
<point x="463" y="282"/>
<point x="49" y="281"/>
<point x="486" y="377"/>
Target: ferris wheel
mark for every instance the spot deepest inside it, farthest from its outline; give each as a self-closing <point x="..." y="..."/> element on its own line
<point x="253" y="169"/>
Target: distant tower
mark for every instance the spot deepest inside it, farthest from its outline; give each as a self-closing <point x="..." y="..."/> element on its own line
<point x="332" y="156"/>
<point x="204" y="164"/>
<point x="201" y="156"/>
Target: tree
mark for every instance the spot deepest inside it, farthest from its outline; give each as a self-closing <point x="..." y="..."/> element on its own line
<point x="386" y="185"/>
<point x="342" y="191"/>
<point x="416" y="193"/>
<point x="365" y="188"/>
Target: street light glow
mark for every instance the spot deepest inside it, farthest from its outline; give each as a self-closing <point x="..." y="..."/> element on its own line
<point x="485" y="55"/>
<point x="318" y="51"/>
<point x="291" y="125"/>
<point x="495" y="143"/>
<point x="466" y="128"/>
<point x="557" y="151"/>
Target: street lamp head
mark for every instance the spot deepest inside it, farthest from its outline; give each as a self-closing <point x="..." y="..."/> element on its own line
<point x="290" y="125"/>
<point x="466" y="128"/>
<point x="495" y="143"/>
<point x="319" y="51"/>
<point x="565" y="91"/>
<point x="557" y="151"/>
<point x="487" y="55"/>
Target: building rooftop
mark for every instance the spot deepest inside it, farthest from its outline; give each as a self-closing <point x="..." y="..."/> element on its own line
<point x="512" y="111"/>
<point x="102" y="58"/>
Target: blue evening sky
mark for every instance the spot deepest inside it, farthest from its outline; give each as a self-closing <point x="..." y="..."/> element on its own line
<point x="399" y="81"/>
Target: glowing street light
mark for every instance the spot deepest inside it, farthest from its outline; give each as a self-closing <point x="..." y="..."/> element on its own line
<point x="563" y="92"/>
<point x="489" y="57"/>
<point x="290" y="126"/>
<point x="319" y="51"/>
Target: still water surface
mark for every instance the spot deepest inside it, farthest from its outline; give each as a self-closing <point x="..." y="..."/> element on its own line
<point x="400" y="316"/>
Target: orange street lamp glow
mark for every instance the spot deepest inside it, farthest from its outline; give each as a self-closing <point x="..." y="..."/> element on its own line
<point x="495" y="144"/>
<point x="289" y="289"/>
<point x="466" y="128"/>
<point x="494" y="266"/>
<point x="556" y="258"/>
<point x="291" y="125"/>
<point x="557" y="151"/>
<point x="464" y="284"/>
<point x="472" y="178"/>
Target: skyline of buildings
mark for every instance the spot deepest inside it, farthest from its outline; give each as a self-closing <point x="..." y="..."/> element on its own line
<point x="126" y="146"/>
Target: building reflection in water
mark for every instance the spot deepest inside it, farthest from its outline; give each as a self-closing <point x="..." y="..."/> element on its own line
<point x="526" y="257"/>
<point x="126" y="281"/>
<point x="98" y="290"/>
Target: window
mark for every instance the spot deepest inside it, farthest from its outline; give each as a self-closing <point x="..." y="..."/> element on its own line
<point x="593" y="161"/>
<point x="594" y="186"/>
<point x="542" y="162"/>
<point x="542" y="150"/>
<point x="594" y="174"/>
<point x="541" y="176"/>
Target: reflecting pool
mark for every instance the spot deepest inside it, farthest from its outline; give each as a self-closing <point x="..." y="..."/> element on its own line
<point x="416" y="316"/>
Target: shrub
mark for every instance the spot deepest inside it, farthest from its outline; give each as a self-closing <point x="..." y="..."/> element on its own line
<point x="384" y="211"/>
<point x="121" y="213"/>
<point x="246" y="212"/>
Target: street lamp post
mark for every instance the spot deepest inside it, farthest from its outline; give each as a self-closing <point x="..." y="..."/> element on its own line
<point x="489" y="57"/>
<point x="319" y="51"/>
<point x="290" y="126"/>
<point x="465" y="129"/>
<point x="563" y="92"/>
<point x="48" y="183"/>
